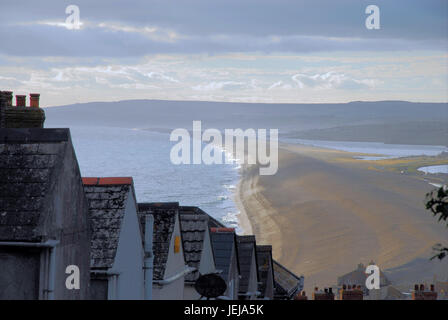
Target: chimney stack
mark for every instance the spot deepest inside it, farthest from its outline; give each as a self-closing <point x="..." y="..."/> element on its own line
<point x="20" y="100"/>
<point x="19" y="116"/>
<point x="7" y="98"/>
<point x="421" y="294"/>
<point x="34" y="100"/>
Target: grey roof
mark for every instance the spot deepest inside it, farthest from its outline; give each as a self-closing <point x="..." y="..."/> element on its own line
<point x="264" y="259"/>
<point x="223" y="244"/>
<point x="286" y="282"/>
<point x="246" y="248"/>
<point x="358" y="277"/>
<point x="164" y="221"/>
<point x="107" y="206"/>
<point x="212" y="222"/>
<point x="193" y="228"/>
<point x="30" y="163"/>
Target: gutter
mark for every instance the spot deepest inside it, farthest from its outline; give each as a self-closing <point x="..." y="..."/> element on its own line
<point x="50" y="244"/>
<point x="184" y="272"/>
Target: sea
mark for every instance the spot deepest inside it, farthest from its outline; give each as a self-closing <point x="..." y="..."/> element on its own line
<point x="145" y="155"/>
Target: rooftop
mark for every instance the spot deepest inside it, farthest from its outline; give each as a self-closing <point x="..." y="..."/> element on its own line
<point x="246" y="250"/>
<point x="223" y="243"/>
<point x="30" y="162"/>
<point x="107" y="203"/>
<point x="193" y="229"/>
<point x="287" y="284"/>
<point x="264" y="259"/>
<point x="164" y="214"/>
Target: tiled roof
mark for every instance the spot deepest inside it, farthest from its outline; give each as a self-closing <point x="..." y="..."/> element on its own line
<point x="264" y="259"/>
<point x="223" y="243"/>
<point x="106" y="180"/>
<point x="193" y="229"/>
<point x="246" y="248"/>
<point x="286" y="283"/>
<point x="107" y="206"/>
<point x="30" y="163"/>
<point x="164" y="221"/>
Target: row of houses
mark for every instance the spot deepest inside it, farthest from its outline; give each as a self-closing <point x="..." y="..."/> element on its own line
<point x="63" y="236"/>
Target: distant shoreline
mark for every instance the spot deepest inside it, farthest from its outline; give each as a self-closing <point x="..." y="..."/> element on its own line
<point x="325" y="212"/>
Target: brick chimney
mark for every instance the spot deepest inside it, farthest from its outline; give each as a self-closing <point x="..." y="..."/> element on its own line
<point x="351" y="294"/>
<point x="34" y="100"/>
<point x="301" y="296"/>
<point x="20" y="100"/>
<point x="327" y="294"/>
<point x="20" y="116"/>
<point x="420" y="293"/>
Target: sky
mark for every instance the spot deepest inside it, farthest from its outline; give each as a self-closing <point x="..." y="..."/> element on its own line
<point x="275" y="51"/>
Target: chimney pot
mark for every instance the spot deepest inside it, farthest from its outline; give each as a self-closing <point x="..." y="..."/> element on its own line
<point x="422" y="287"/>
<point x="20" y="100"/>
<point x="416" y="287"/>
<point x="7" y="98"/>
<point x="34" y="100"/>
<point x="344" y="286"/>
<point x="316" y="288"/>
<point x="330" y="290"/>
<point x="432" y="288"/>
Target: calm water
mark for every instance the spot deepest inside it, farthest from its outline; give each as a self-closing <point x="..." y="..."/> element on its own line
<point x="378" y="150"/>
<point x="434" y="169"/>
<point x="144" y="155"/>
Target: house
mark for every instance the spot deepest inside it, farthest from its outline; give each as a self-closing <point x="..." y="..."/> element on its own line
<point x="442" y="289"/>
<point x="44" y="223"/>
<point x="197" y="247"/>
<point x="226" y="258"/>
<point x="423" y="292"/>
<point x="247" y="255"/>
<point x="20" y="116"/>
<point x="116" y="244"/>
<point x="287" y="284"/>
<point x="358" y="277"/>
<point x="169" y="269"/>
<point x="349" y="292"/>
<point x="265" y="272"/>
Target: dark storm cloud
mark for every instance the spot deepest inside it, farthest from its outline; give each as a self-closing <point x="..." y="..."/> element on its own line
<point x="215" y="26"/>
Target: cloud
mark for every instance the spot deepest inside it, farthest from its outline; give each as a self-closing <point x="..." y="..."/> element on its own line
<point x="331" y="80"/>
<point x="226" y="85"/>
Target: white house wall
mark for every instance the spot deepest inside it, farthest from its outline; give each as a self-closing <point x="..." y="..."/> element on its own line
<point x="129" y="256"/>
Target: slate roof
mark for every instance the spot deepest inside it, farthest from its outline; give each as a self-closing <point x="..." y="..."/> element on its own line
<point x="264" y="259"/>
<point x="30" y="163"/>
<point x="107" y="205"/>
<point x="286" y="283"/>
<point x="212" y="222"/>
<point x="164" y="221"/>
<point x="358" y="277"/>
<point x="193" y="228"/>
<point x="223" y="242"/>
<point x="246" y="248"/>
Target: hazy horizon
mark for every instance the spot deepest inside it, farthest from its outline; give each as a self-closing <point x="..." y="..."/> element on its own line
<point x="229" y="51"/>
